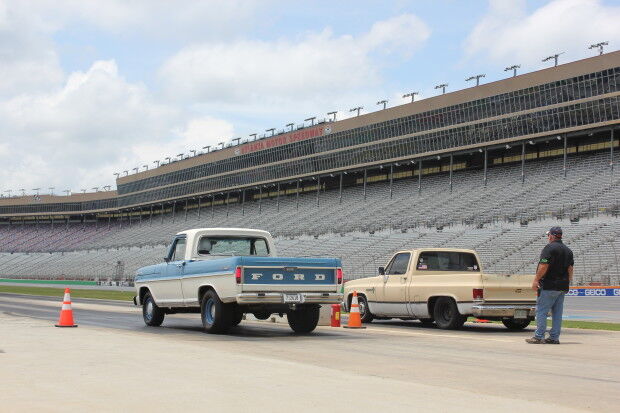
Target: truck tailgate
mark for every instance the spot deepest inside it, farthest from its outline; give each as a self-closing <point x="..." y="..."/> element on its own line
<point x="289" y="274"/>
<point x="508" y="288"/>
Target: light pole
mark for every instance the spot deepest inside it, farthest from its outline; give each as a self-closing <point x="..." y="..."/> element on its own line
<point x="83" y="190"/>
<point x="290" y="125"/>
<point x="332" y="114"/>
<point x="237" y="139"/>
<point x="156" y="163"/>
<point x="383" y="102"/>
<point x="357" y="109"/>
<point x="514" y="68"/>
<point x="411" y="95"/>
<point x="51" y="188"/>
<point x="554" y="57"/>
<point x="36" y="190"/>
<point x="67" y="191"/>
<point x="167" y="158"/>
<point x="23" y="192"/>
<point x="207" y="148"/>
<point x="477" y="77"/>
<point x="117" y="175"/>
<point x="9" y="192"/>
<point x="135" y="169"/>
<point x="107" y="187"/>
<point x="146" y="167"/>
<point x="253" y="135"/>
<point x="599" y="46"/>
<point x="222" y="143"/>
<point x="96" y="188"/>
<point x="180" y="155"/>
<point x="311" y="120"/>
<point x="193" y="152"/>
<point x="126" y="173"/>
<point x="442" y="87"/>
<point x="272" y="130"/>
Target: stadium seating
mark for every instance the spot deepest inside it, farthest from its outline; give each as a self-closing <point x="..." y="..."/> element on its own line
<point x="504" y="221"/>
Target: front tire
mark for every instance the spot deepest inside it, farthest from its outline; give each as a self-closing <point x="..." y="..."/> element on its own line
<point x="217" y="317"/>
<point x="151" y="313"/>
<point x="516" y="324"/>
<point x="365" y="313"/>
<point x="303" y="320"/>
<point x="446" y="314"/>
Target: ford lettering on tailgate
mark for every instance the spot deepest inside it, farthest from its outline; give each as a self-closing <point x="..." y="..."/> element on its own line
<point x="288" y="275"/>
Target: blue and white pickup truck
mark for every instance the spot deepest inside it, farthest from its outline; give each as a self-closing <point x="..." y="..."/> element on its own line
<point x="224" y="273"/>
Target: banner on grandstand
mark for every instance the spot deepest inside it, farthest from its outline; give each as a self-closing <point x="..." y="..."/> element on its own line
<point x="283" y="139"/>
<point x="602" y="291"/>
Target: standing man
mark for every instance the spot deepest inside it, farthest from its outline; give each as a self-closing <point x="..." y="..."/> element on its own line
<point x="553" y="277"/>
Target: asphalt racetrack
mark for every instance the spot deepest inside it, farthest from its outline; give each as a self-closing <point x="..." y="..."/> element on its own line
<point x="113" y="362"/>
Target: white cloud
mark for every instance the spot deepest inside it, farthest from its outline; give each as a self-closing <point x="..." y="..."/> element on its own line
<point x="81" y="133"/>
<point x="319" y="65"/>
<point x="508" y="35"/>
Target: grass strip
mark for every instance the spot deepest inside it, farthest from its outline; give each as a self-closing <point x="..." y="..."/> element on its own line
<point x="63" y="282"/>
<point x="76" y="293"/>
<point x="586" y="325"/>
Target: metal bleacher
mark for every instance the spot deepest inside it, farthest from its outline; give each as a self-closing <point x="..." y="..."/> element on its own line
<point x="504" y="220"/>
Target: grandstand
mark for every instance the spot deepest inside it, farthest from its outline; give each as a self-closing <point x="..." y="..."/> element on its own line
<point x="489" y="168"/>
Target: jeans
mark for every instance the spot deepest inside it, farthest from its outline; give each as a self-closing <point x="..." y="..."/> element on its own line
<point x="554" y="301"/>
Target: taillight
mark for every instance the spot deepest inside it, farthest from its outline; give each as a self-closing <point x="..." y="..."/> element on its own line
<point x="238" y="275"/>
<point x="478" y="293"/>
<point x="339" y="275"/>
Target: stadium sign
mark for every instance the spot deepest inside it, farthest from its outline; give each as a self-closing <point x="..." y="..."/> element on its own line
<point x="595" y="292"/>
<point x="283" y="139"/>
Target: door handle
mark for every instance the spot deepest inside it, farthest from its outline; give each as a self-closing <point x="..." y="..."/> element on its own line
<point x="181" y="264"/>
<point x="404" y="278"/>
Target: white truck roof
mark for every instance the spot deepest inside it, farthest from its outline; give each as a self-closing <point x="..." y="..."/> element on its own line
<point x="193" y="235"/>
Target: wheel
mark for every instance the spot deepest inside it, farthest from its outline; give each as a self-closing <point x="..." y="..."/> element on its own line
<point x="446" y="314"/>
<point x="152" y="314"/>
<point x="217" y="317"/>
<point x="304" y="319"/>
<point x="365" y="313"/>
<point x="516" y="324"/>
<point x="427" y="322"/>
<point x="237" y="317"/>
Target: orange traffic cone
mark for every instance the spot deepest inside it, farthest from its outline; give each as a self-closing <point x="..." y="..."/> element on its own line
<point x="66" y="313"/>
<point x="355" y="321"/>
<point x="481" y="321"/>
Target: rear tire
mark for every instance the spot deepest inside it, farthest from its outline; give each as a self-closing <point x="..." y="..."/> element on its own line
<point x="446" y="314"/>
<point x="427" y="322"/>
<point x="237" y="317"/>
<point x="365" y="313"/>
<point x="303" y="320"/>
<point x="153" y="315"/>
<point x="516" y="324"/>
<point x="217" y="317"/>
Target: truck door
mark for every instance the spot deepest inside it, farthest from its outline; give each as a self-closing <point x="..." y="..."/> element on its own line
<point x="169" y="287"/>
<point x="392" y="299"/>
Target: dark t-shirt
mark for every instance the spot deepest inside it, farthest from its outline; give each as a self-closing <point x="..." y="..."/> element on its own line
<point x="559" y="257"/>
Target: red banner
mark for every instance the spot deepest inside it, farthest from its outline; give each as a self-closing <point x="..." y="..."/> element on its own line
<point x="290" y="137"/>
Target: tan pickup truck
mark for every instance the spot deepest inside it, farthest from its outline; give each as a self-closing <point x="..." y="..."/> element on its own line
<point x="443" y="286"/>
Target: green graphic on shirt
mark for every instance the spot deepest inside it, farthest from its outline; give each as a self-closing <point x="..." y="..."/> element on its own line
<point x="544" y="260"/>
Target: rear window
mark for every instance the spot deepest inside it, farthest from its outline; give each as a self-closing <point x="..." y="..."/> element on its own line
<point x="447" y="261"/>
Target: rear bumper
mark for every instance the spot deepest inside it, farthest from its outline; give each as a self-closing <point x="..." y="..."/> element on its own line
<point x="278" y="298"/>
<point x="503" y="310"/>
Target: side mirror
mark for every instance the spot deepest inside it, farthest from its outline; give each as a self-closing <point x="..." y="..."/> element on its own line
<point x="381" y="270"/>
<point x="166" y="259"/>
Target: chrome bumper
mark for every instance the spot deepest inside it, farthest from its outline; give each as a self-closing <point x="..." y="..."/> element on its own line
<point x="502" y="310"/>
<point x="278" y="298"/>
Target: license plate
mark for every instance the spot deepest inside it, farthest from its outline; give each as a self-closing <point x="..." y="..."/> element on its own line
<point x="521" y="313"/>
<point x="293" y="298"/>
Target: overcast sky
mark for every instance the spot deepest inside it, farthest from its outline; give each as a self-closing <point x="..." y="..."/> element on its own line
<point x="89" y="88"/>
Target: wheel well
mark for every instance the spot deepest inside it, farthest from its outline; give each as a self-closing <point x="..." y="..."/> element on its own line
<point x="142" y="293"/>
<point x="433" y="300"/>
<point x="202" y="290"/>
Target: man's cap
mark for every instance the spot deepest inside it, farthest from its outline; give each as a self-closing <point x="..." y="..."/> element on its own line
<point x="555" y="231"/>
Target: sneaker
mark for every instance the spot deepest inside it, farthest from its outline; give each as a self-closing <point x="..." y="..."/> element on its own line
<point x="535" y="340"/>
<point x="551" y="341"/>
